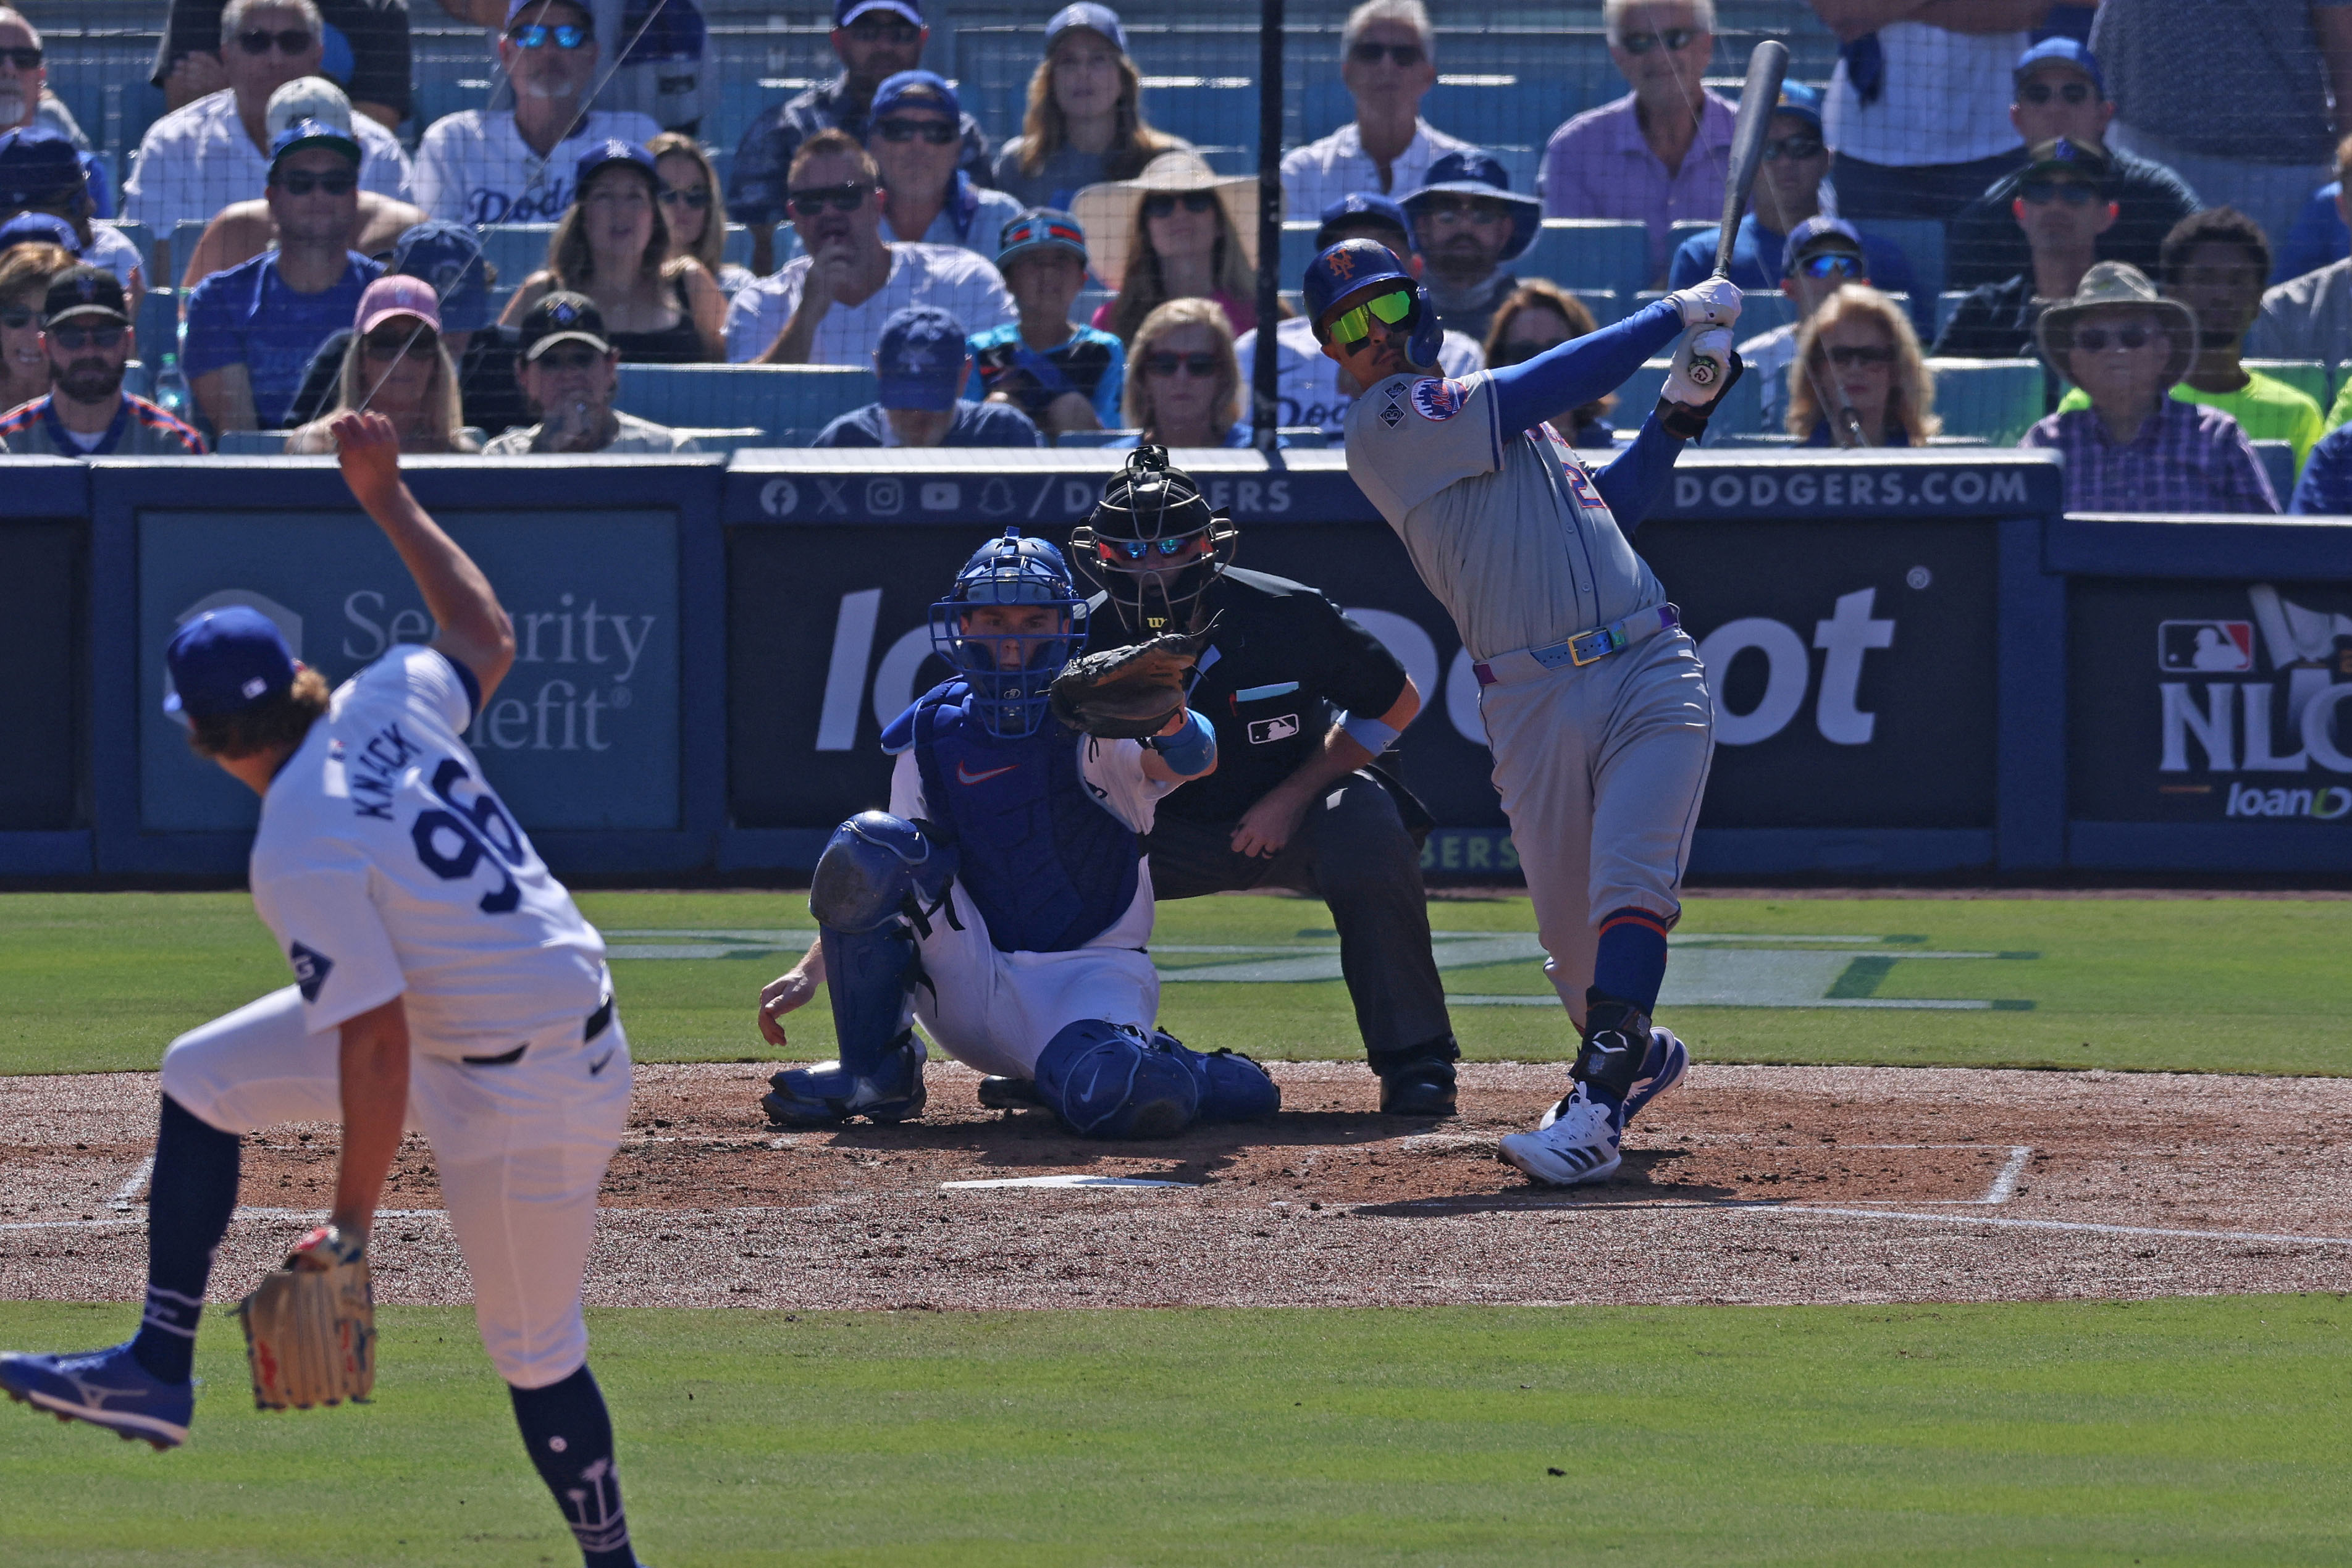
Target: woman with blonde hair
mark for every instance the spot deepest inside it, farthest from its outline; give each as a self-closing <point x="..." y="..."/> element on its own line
<point x="25" y="273"/>
<point x="1858" y="379"/>
<point x="1183" y="380"/>
<point x="1541" y="314"/>
<point x="693" y="209"/>
<point x="395" y="366"/>
<point x="1084" y="125"/>
<point x="613" y="246"/>
<point x="1177" y="231"/>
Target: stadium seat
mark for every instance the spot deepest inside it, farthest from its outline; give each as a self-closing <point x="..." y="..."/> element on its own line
<point x="1297" y="438"/>
<point x="2278" y="461"/>
<point x="2306" y="376"/>
<point x="139" y="379"/>
<point x="517" y="250"/>
<point x="734" y="439"/>
<point x="1743" y="414"/>
<point x="137" y="235"/>
<point x="737" y="249"/>
<point x="184" y="235"/>
<point x="1589" y="252"/>
<point x="159" y="324"/>
<point x="1996" y="398"/>
<point x="774" y="398"/>
<point x="1947" y="305"/>
<point x="1922" y="243"/>
<point x="250" y="444"/>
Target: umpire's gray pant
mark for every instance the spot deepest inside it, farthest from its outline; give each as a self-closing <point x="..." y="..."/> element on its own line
<point x="1351" y="849"/>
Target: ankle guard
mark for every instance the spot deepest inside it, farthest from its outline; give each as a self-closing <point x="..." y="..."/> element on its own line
<point x="1616" y="1044"/>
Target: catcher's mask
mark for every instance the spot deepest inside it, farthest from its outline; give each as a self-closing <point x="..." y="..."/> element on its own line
<point x="1010" y="668"/>
<point x="1155" y="545"/>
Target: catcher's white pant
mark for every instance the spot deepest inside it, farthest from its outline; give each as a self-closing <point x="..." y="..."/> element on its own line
<point x="520" y="1149"/>
<point x="1601" y="771"/>
<point x="997" y="1011"/>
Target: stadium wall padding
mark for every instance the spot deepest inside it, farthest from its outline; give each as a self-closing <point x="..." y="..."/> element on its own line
<point x="1921" y="665"/>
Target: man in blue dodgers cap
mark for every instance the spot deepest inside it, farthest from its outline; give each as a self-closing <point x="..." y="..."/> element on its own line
<point x="1312" y="389"/>
<point x="873" y="40"/>
<point x="922" y="367"/>
<point x="1467" y="223"/>
<point x="40" y="172"/>
<point x="2060" y="92"/>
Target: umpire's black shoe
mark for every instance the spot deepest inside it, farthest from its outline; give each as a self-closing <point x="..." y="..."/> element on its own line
<point x="1421" y="1087"/>
<point x="1010" y="1094"/>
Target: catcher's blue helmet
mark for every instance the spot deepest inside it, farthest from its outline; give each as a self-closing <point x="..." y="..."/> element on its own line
<point x="1009" y="673"/>
<point x="1346" y="268"/>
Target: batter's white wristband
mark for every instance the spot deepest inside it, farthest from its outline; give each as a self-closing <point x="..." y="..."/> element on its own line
<point x="1370" y="733"/>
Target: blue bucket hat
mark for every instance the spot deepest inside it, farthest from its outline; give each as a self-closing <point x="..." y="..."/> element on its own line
<point x="447" y="256"/>
<point x="227" y="661"/>
<point x="920" y="360"/>
<point x="1471" y="173"/>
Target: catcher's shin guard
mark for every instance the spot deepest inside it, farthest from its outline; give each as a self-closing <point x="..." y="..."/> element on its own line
<point x="1616" y="1044"/>
<point x="1106" y="1081"/>
<point x="1233" y="1087"/>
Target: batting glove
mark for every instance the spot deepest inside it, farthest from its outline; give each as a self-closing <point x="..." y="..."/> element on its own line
<point x="1710" y="302"/>
<point x="1685" y="406"/>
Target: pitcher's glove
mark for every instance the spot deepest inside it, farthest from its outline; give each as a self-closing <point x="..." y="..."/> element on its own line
<point x="309" y="1331"/>
<point x="1127" y="694"/>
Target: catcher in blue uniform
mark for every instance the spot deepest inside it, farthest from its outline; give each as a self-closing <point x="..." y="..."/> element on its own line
<point x="1003" y="901"/>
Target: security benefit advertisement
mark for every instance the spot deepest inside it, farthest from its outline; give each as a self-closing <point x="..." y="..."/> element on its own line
<point x="1857" y="661"/>
<point x="583" y="734"/>
<point x="2209" y="702"/>
<point x="40" y="648"/>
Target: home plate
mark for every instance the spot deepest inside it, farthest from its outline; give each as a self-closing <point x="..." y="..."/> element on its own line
<point x="1067" y="1180"/>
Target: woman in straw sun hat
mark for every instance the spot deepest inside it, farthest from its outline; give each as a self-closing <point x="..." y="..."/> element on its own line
<point x="1176" y="230"/>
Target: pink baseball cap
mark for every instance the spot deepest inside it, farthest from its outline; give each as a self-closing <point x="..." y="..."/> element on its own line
<point x="397" y="294"/>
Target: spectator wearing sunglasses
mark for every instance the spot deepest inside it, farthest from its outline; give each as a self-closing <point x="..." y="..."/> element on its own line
<point x="243" y="230"/>
<point x="1915" y="109"/>
<point x="197" y="160"/>
<point x="41" y="174"/>
<point x="613" y="246"/>
<point x="2309" y="317"/>
<point x="25" y="101"/>
<point x="1539" y="316"/>
<point x="570" y="370"/>
<point x="1062" y="375"/>
<point x="921" y="368"/>
<point x="516" y="165"/>
<point x="1821" y="257"/>
<point x="253" y="329"/>
<point x="29" y="257"/>
<point x="363" y="44"/>
<point x="2060" y="92"/>
<point x="1184" y="381"/>
<point x="693" y="209"/>
<point x="86" y="335"/>
<point x="873" y="40"/>
<point x="1467" y="223"/>
<point x="1657" y="155"/>
<point x="2133" y="449"/>
<point x="828" y="306"/>
<point x="1311" y="388"/>
<point x="396" y="364"/>
<point x="913" y="135"/>
<point x="2062" y="202"/>
<point x="1176" y="230"/>
<point x="1787" y="191"/>
<point x="1387" y="58"/>
<point x="1084" y="124"/>
<point x="1857" y="380"/>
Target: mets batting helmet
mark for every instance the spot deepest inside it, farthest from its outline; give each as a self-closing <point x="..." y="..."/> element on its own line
<point x="1346" y="268"/>
<point x="1010" y="674"/>
<point x="1154" y="544"/>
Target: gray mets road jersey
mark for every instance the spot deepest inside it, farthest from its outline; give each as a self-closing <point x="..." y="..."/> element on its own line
<point x="1505" y="527"/>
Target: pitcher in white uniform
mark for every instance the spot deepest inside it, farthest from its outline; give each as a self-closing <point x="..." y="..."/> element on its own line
<point x="444" y="982"/>
<point x="1595" y="706"/>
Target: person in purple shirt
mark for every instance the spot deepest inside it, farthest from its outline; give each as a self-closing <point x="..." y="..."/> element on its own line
<point x="253" y="329"/>
<point x="921" y="365"/>
<point x="1658" y="153"/>
<point x="2135" y="449"/>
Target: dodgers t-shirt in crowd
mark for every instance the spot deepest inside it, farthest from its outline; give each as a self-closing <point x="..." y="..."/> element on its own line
<point x="249" y="316"/>
<point x="473" y="167"/>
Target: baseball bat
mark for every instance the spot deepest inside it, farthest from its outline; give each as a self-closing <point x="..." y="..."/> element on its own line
<point x="1757" y="95"/>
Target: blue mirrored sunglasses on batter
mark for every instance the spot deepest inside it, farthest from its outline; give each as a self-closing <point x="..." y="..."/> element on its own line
<point x="1351" y="328"/>
<point x="535" y="35"/>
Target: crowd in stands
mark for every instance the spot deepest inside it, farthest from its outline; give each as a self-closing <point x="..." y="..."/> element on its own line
<point x="2149" y="207"/>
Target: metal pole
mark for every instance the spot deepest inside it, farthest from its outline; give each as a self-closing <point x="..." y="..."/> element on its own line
<point x="1265" y="412"/>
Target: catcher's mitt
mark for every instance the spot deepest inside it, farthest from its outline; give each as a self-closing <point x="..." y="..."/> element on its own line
<point x="309" y="1333"/>
<point x="1127" y="694"/>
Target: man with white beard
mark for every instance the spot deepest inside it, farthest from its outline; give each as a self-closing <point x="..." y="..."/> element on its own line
<point x="26" y="99"/>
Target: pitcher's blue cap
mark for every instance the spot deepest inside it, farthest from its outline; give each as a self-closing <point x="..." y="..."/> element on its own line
<point x="227" y="661"/>
<point x="2065" y="52"/>
<point x="920" y="360"/>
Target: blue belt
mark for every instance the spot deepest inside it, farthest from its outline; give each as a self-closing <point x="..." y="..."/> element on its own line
<point x="1584" y="648"/>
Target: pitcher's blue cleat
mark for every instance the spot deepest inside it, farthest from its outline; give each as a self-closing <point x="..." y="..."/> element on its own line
<point x="106" y="1388"/>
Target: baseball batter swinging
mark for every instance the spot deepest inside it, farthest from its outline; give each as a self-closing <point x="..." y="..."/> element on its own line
<point x="443" y="981"/>
<point x="1594" y="702"/>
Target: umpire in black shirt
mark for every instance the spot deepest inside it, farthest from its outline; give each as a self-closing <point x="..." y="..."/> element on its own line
<point x="1297" y="800"/>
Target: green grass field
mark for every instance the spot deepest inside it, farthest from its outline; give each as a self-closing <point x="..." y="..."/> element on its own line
<point x="2196" y="1431"/>
<point x="103" y="981"/>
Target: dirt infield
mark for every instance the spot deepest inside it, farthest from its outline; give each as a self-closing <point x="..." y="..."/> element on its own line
<point x="1748" y="1185"/>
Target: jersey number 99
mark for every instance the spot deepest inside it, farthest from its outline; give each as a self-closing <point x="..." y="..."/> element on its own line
<point x="479" y="830"/>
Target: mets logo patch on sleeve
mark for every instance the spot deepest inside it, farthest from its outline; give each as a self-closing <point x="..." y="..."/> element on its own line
<point x="1439" y="400"/>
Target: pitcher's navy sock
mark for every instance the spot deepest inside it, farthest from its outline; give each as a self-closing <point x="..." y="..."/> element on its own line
<point x="190" y="1198"/>
<point x="570" y="1437"/>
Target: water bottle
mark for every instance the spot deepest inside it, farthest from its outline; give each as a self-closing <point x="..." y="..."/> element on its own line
<point x="171" y="388"/>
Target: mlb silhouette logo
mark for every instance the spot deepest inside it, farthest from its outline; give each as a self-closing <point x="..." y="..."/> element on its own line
<point x="1266" y="731"/>
<point x="2205" y="647"/>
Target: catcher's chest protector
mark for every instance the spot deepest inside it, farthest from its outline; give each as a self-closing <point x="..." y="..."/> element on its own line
<point x="1048" y="867"/>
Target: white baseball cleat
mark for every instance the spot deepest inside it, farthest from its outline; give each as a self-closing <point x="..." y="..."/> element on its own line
<point x="1577" y="1143"/>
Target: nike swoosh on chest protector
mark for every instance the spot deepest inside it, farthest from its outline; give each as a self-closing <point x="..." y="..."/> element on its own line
<point x="965" y="776"/>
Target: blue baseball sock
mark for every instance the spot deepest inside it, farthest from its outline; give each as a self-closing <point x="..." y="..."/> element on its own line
<point x="1632" y="963"/>
<point x="570" y="1437"/>
<point x="189" y="1200"/>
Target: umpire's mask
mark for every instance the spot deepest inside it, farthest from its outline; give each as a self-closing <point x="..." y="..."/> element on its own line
<point x="1154" y="545"/>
